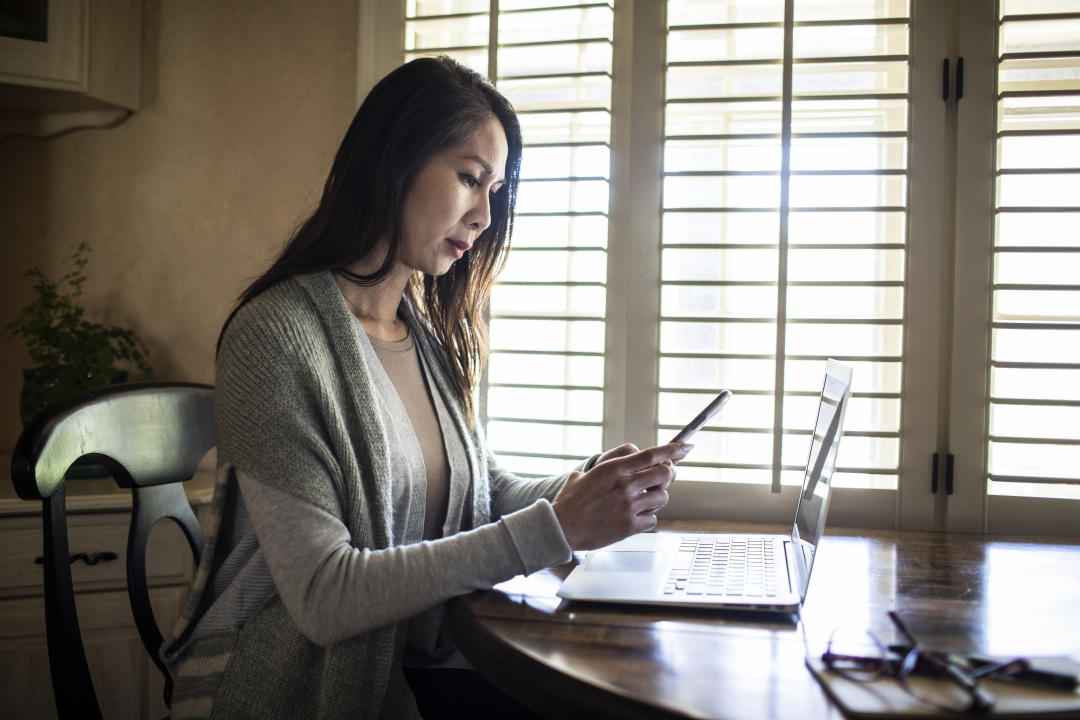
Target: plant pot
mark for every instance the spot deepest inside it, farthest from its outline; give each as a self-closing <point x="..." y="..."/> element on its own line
<point x="42" y="387"/>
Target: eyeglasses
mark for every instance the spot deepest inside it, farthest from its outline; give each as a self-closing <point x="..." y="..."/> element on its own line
<point x="946" y="681"/>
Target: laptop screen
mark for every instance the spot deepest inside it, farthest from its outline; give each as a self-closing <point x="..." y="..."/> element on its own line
<point x="817" y="480"/>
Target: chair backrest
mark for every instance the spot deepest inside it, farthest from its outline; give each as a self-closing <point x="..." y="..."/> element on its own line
<point x="151" y="438"/>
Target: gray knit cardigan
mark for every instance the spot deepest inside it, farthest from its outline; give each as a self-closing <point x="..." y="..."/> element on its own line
<point x="294" y="399"/>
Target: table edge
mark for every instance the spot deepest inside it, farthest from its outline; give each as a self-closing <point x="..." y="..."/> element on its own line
<point x="517" y="673"/>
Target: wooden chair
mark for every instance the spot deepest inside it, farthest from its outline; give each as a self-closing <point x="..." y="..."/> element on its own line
<point x="151" y="437"/>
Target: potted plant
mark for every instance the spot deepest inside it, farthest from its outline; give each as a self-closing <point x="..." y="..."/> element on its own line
<point x="68" y="353"/>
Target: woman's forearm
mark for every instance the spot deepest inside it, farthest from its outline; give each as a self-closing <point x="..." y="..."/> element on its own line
<point x="334" y="591"/>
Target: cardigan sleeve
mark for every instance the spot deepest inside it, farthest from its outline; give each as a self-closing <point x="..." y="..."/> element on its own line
<point x="333" y="590"/>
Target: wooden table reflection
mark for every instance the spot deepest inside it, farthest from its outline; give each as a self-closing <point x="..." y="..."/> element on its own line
<point x="1008" y="596"/>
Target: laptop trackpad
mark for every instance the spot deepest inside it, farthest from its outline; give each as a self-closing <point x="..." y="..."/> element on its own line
<point x="624" y="561"/>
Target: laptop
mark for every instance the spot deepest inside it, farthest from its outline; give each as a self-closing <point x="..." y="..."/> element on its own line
<point x="736" y="571"/>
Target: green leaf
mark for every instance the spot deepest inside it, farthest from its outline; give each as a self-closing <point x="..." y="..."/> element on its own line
<point x="61" y="340"/>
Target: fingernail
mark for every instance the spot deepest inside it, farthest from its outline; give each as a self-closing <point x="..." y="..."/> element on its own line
<point x="685" y="448"/>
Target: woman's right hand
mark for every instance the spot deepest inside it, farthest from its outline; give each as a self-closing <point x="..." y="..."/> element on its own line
<point x="617" y="497"/>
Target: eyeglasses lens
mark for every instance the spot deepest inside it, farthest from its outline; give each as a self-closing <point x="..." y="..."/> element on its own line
<point x="932" y="682"/>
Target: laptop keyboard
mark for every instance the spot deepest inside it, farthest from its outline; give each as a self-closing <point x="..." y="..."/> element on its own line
<point x="723" y="566"/>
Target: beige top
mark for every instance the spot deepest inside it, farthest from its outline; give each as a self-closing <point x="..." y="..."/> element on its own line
<point x="402" y="365"/>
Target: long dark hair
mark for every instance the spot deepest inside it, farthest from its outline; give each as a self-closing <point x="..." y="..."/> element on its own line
<point x="421" y="108"/>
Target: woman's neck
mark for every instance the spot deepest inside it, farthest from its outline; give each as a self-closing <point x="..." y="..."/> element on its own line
<point x="376" y="306"/>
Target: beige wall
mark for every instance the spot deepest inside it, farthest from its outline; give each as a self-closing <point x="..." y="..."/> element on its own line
<point x="244" y="103"/>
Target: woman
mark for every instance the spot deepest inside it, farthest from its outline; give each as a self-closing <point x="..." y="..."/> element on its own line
<point x="355" y="491"/>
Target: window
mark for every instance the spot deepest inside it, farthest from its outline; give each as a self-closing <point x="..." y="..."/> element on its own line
<point x="1034" y="399"/>
<point x="544" y="390"/>
<point x="1016" y="373"/>
<point x="784" y="225"/>
<point x="724" y="193"/>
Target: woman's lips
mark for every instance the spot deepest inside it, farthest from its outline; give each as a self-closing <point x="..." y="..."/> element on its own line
<point x="459" y="246"/>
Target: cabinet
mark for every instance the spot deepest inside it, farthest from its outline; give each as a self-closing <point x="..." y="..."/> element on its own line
<point x="85" y="57"/>
<point x="127" y="682"/>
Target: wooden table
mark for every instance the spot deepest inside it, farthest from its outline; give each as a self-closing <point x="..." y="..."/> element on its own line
<point x="1008" y="596"/>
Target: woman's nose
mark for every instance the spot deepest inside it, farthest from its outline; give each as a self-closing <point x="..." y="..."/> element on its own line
<point x="480" y="215"/>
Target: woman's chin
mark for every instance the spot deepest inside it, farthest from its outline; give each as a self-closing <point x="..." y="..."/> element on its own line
<point x="443" y="268"/>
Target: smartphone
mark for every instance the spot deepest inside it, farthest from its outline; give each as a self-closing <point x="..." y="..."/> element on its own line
<point x="703" y="417"/>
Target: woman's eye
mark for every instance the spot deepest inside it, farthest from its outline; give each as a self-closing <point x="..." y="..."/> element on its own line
<point x="469" y="180"/>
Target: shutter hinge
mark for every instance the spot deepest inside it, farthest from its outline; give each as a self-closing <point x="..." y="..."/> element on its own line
<point x="950" y="460"/>
<point x="945" y="79"/>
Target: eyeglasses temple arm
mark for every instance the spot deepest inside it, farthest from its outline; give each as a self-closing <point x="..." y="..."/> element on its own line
<point x="902" y="628"/>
